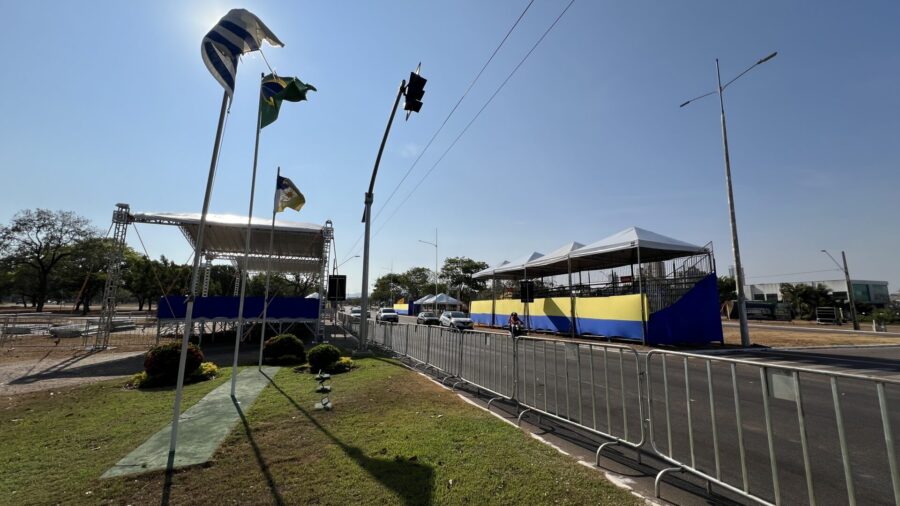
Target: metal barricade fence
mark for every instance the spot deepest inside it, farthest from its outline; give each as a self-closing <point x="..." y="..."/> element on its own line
<point x="791" y="418"/>
<point x="595" y="386"/>
<point x="486" y="361"/>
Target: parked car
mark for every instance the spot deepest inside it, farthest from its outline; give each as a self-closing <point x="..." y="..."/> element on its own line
<point x="456" y="319"/>
<point x="387" y="314"/>
<point x="428" y="318"/>
<point x="355" y="313"/>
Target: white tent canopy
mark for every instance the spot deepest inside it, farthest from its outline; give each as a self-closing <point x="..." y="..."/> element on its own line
<point x="627" y="247"/>
<point x="490" y="270"/>
<point x="297" y="247"/>
<point x="513" y="269"/>
<point x="441" y="299"/>
<point x="422" y="300"/>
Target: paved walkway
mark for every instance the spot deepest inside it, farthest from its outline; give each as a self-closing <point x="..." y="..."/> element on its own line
<point x="201" y="429"/>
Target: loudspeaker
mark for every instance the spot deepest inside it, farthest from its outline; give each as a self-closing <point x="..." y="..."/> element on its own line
<point x="526" y="288"/>
<point x="337" y="288"/>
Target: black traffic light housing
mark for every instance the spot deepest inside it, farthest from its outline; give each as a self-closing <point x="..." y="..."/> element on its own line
<point x="415" y="90"/>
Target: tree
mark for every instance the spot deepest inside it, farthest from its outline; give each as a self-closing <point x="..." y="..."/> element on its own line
<point x="804" y="299"/>
<point x="386" y="290"/>
<point x="415" y="282"/>
<point x="727" y="289"/>
<point x="458" y="271"/>
<point x="140" y="277"/>
<point x="40" y="239"/>
<point x="81" y="275"/>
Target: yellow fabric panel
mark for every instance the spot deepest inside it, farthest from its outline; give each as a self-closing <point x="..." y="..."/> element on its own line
<point x="480" y="307"/>
<point x="553" y="306"/>
<point x="620" y="307"/>
<point x="507" y="306"/>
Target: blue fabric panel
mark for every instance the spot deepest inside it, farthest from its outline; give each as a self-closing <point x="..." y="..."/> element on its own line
<point x="481" y="318"/>
<point x="548" y="323"/>
<point x="692" y="319"/>
<point x="613" y="328"/>
<point x="208" y="308"/>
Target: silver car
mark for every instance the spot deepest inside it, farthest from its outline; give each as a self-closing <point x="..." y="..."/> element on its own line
<point x="456" y="320"/>
<point x="387" y="314"/>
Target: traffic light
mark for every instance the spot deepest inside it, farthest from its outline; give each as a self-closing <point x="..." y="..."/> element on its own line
<point x="415" y="90"/>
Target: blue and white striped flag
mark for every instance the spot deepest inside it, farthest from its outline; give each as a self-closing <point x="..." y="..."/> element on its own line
<point x="238" y="32"/>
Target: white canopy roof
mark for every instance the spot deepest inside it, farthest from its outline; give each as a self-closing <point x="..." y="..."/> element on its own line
<point x="513" y="269"/>
<point x="489" y="271"/>
<point x="630" y="246"/>
<point x="297" y="247"/>
<point x="441" y="298"/>
<point x="422" y="300"/>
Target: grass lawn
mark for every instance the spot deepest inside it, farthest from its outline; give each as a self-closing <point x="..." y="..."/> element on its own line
<point x="393" y="438"/>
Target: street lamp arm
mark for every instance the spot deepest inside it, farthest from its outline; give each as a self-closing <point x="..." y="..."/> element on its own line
<point x="760" y="62"/>
<point x="697" y="98"/>
<point x="429" y="243"/>
<point x="833" y="260"/>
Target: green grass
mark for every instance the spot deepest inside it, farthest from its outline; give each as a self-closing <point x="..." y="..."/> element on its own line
<point x="393" y="438"/>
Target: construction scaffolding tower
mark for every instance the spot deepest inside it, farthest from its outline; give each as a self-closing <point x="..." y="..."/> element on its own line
<point x="328" y="233"/>
<point x="121" y="219"/>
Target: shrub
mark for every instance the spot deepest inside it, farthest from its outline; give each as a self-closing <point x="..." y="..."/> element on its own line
<point x="206" y="371"/>
<point x="322" y="357"/>
<point x="344" y="364"/>
<point x="284" y="349"/>
<point x="161" y="362"/>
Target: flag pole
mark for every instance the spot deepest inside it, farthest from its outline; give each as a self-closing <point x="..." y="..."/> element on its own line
<point x="262" y="332"/>
<point x="189" y="309"/>
<point x="240" y="325"/>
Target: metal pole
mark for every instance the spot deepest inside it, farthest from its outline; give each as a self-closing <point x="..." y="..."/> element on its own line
<point x="850" y="296"/>
<point x="262" y="332"/>
<point x="240" y="327"/>
<point x="367" y="218"/>
<point x="189" y="309"/>
<point x="739" y="272"/>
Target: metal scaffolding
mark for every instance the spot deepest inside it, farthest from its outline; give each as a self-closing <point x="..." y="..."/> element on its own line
<point x="121" y="218"/>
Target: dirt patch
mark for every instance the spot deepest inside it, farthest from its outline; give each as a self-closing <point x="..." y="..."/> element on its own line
<point x="789" y="338"/>
<point x="62" y="368"/>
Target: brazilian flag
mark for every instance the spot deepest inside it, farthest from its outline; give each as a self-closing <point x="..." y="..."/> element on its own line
<point x="275" y="89"/>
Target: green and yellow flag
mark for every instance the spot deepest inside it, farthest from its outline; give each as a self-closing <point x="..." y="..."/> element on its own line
<point x="288" y="196"/>
<point x="274" y="90"/>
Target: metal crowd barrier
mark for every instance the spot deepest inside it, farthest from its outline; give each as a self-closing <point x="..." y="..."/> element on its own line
<point x="594" y="386"/>
<point x="743" y="411"/>
<point x="723" y="420"/>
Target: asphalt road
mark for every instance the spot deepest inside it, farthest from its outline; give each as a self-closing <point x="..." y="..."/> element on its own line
<point x="597" y="385"/>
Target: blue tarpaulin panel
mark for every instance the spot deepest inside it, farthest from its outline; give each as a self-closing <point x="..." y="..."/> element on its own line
<point x="692" y="319"/>
<point x="209" y="308"/>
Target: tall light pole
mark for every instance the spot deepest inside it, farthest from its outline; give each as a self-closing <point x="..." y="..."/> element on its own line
<point x="736" y="249"/>
<point x="435" y="244"/>
<point x="414" y="92"/>
<point x="850" y="297"/>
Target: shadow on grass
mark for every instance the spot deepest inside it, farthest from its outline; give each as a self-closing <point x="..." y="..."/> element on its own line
<point x="412" y="481"/>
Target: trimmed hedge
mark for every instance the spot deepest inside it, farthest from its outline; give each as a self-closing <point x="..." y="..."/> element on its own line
<point x="322" y="357"/>
<point x="161" y="363"/>
<point x="284" y="349"/>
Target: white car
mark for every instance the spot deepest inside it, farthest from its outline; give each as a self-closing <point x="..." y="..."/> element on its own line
<point x="387" y="314"/>
<point x="457" y="320"/>
<point x="355" y="313"/>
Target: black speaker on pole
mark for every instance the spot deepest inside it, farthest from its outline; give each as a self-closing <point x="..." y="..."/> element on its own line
<point x="526" y="289"/>
<point x="337" y="288"/>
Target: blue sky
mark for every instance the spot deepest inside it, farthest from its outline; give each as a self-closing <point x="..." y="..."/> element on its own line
<point x="108" y="101"/>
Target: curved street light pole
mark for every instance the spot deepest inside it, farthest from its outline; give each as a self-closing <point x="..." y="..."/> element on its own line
<point x="850" y="297"/>
<point x="735" y="246"/>
<point x="435" y="244"/>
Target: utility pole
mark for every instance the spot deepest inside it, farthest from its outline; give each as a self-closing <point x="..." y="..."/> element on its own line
<point x="850" y="297"/>
<point x="436" y="277"/>
<point x="735" y="246"/>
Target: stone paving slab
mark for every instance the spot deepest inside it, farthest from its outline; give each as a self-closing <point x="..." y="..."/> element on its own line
<point x="201" y="428"/>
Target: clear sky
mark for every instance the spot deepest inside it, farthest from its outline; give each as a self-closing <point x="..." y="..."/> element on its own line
<point x="109" y="101"/>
